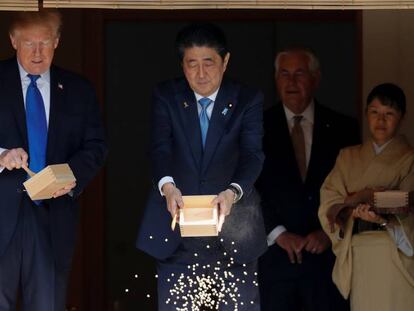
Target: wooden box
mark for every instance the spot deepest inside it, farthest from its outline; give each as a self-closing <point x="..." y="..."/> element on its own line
<point x="198" y="217"/>
<point x="45" y="183"/>
<point x="393" y="202"/>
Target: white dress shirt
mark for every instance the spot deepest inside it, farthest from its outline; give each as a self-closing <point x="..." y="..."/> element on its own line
<point x="209" y="110"/>
<point x="308" y="116"/>
<point x="43" y="84"/>
<point x="212" y="97"/>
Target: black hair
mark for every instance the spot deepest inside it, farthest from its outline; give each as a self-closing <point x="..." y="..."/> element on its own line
<point x="389" y="95"/>
<point x="201" y="35"/>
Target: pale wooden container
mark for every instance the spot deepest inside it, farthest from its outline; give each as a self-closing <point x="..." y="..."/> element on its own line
<point x="198" y="217"/>
<point x="392" y="202"/>
<point x="49" y="180"/>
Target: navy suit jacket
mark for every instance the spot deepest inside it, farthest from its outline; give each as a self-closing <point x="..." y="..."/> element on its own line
<point x="233" y="153"/>
<point x="75" y="136"/>
<point x="288" y="201"/>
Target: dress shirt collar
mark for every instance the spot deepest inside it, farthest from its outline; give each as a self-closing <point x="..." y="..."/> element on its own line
<point x="308" y="114"/>
<point x="211" y="97"/>
<point x="23" y="75"/>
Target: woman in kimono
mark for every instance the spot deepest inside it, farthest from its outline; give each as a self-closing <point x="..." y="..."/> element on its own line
<point x="374" y="253"/>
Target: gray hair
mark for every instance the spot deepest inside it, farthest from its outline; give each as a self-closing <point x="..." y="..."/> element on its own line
<point x="313" y="64"/>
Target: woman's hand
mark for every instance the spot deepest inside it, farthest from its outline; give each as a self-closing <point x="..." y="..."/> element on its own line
<point x="363" y="212"/>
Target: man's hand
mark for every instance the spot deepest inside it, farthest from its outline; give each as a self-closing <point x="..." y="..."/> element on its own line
<point x="173" y="197"/>
<point x="64" y="190"/>
<point x="317" y="242"/>
<point x="13" y="158"/>
<point x="292" y="244"/>
<point x="363" y="211"/>
<point x="224" y="200"/>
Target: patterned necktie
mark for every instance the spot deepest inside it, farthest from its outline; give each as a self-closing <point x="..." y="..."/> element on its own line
<point x="204" y="120"/>
<point x="36" y="126"/>
<point x="298" y="142"/>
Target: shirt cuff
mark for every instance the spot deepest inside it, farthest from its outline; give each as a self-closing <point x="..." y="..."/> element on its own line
<point x="238" y="187"/>
<point x="163" y="181"/>
<point x="274" y="234"/>
<point x="398" y="235"/>
<point x="1" y="151"/>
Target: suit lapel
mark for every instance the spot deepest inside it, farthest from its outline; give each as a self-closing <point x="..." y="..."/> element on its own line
<point x="320" y="127"/>
<point x="280" y="125"/>
<point x="56" y="102"/>
<point x="187" y="110"/>
<point x="224" y="107"/>
<point x="13" y="86"/>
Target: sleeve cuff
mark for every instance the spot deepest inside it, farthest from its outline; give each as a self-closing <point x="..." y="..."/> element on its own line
<point x="163" y="181"/>
<point x="1" y="151"/>
<point x="274" y="234"/>
<point x="239" y="188"/>
<point x="403" y="243"/>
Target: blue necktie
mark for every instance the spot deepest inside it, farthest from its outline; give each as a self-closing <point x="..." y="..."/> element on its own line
<point x="36" y="126"/>
<point x="204" y="102"/>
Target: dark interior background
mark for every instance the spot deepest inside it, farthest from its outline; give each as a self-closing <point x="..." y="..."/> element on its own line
<point x="124" y="53"/>
<point x="138" y="55"/>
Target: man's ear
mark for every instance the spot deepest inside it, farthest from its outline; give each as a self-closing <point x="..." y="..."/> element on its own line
<point x="226" y="60"/>
<point x="56" y="42"/>
<point x="13" y="40"/>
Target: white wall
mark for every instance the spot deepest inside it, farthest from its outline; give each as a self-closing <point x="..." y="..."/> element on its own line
<point x="388" y="56"/>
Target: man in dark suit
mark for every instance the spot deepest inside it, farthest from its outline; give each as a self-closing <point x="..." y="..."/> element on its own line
<point x="188" y="159"/>
<point x="302" y="139"/>
<point x="47" y="116"/>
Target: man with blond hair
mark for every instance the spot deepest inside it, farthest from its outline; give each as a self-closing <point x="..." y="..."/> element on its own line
<point x="47" y="116"/>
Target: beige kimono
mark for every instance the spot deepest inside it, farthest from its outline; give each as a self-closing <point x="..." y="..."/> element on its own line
<point x="369" y="266"/>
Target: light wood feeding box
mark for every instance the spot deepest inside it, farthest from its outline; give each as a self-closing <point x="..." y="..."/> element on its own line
<point x="393" y="202"/>
<point x="198" y="217"/>
<point x="45" y="183"/>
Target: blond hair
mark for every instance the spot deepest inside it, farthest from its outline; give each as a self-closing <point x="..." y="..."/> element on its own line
<point x="48" y="18"/>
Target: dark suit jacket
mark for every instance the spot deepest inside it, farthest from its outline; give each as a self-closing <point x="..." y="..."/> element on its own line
<point x="286" y="200"/>
<point x="75" y="136"/>
<point x="233" y="153"/>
